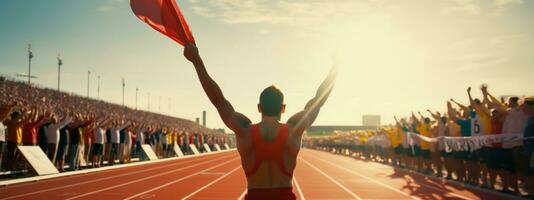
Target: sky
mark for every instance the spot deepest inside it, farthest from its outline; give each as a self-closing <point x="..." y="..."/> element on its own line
<point x="394" y="56"/>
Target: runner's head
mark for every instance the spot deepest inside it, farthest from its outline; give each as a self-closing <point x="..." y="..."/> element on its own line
<point x="271" y="102"/>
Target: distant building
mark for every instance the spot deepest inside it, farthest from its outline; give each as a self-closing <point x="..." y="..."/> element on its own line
<point x="371" y="120"/>
<point x="204" y="118"/>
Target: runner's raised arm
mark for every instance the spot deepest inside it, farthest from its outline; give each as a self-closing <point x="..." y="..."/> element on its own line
<point x="238" y="122"/>
<point x="304" y="119"/>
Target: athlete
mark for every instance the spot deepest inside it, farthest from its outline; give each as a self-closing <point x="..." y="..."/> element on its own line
<point x="268" y="149"/>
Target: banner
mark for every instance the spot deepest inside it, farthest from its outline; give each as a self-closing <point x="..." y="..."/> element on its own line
<point x="471" y="143"/>
<point x="164" y="16"/>
<point x="379" y="140"/>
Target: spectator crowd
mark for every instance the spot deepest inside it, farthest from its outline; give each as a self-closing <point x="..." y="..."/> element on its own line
<point x="79" y="132"/>
<point x="487" y="143"/>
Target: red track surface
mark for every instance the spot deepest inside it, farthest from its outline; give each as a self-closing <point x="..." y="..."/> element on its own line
<point x="319" y="175"/>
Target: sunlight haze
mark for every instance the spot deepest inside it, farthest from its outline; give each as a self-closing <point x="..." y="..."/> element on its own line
<point x="393" y="56"/>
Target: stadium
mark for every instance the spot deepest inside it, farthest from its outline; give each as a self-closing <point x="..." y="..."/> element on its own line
<point x="252" y="99"/>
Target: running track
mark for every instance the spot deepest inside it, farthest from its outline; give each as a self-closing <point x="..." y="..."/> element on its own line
<point x="319" y="175"/>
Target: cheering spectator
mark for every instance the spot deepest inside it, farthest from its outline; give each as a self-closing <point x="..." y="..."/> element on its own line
<point x="53" y="135"/>
<point x="4" y="114"/>
<point x="528" y="144"/>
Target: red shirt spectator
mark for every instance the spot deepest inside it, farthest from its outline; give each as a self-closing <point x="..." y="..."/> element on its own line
<point x="29" y="132"/>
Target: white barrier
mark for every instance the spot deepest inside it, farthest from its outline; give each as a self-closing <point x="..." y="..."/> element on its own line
<point x="177" y="150"/>
<point x="207" y="148"/>
<point x="38" y="160"/>
<point x="226" y="146"/>
<point x="147" y="149"/>
<point x="217" y="147"/>
<point x="194" y="149"/>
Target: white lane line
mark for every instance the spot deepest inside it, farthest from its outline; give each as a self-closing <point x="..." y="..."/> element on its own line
<point x="66" y="175"/>
<point x="388" y="186"/>
<point x="242" y="196"/>
<point x="178" y="180"/>
<point x="298" y="188"/>
<point x="368" y="178"/>
<point x="332" y="179"/>
<point x="428" y="186"/>
<point x="211" y="183"/>
<point x="99" y="179"/>
<point x="142" y="179"/>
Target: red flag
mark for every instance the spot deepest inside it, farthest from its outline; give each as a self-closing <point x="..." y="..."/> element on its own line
<point x="164" y="16"/>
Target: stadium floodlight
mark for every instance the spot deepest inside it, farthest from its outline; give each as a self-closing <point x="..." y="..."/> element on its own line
<point x="88" y="81"/>
<point x="30" y="56"/>
<point x="59" y="63"/>
<point x="136" y="91"/>
<point x="98" y="89"/>
<point x="123" y="85"/>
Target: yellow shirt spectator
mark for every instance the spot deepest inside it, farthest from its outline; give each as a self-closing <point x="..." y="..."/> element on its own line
<point x="424" y="130"/>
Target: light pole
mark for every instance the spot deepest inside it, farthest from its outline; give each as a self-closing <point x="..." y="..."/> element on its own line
<point x="169" y="109"/>
<point x="159" y="104"/>
<point x="136" y="91"/>
<point x="148" y="104"/>
<point x="88" y="81"/>
<point x="98" y="89"/>
<point x="123" y="85"/>
<point x="30" y="56"/>
<point x="59" y="63"/>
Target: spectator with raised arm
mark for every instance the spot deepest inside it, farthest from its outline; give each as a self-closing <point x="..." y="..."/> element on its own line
<point x="5" y="110"/>
<point x="527" y="160"/>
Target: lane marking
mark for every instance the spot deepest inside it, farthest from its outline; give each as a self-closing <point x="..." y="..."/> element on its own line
<point x="145" y="178"/>
<point x="452" y="183"/>
<point x="412" y="180"/>
<point x="242" y="196"/>
<point x="178" y="180"/>
<point x="388" y="186"/>
<point x="213" y="173"/>
<point x="66" y="175"/>
<point x="298" y="188"/>
<point x="100" y="179"/>
<point x="369" y="178"/>
<point x="332" y="179"/>
<point x="211" y="183"/>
